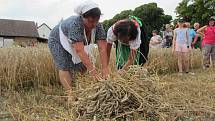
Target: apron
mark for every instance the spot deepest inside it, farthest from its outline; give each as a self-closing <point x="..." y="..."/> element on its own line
<point x="122" y="54"/>
<point x="67" y="46"/>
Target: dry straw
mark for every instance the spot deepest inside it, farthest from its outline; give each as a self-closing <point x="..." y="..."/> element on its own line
<point x="151" y="93"/>
<point x="20" y="66"/>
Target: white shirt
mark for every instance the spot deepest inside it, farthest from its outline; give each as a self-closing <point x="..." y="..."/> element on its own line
<point x="155" y="39"/>
<point x="135" y="44"/>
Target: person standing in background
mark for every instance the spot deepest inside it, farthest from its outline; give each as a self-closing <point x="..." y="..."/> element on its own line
<point x="208" y="43"/>
<point x="192" y="35"/>
<point x="180" y="46"/>
<point x="168" y="36"/>
<point x="198" y="43"/>
<point x="156" y="40"/>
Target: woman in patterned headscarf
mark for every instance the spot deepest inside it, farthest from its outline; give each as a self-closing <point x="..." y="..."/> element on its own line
<point x="70" y="44"/>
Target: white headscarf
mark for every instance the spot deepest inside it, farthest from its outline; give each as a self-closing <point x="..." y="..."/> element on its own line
<point x="84" y="7"/>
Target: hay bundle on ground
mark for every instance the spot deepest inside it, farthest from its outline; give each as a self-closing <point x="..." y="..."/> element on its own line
<point x="119" y="99"/>
<point x="110" y="101"/>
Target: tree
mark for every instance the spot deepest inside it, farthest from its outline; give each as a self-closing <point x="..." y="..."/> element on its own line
<point x="124" y="14"/>
<point x="152" y="16"/>
<point x="196" y="10"/>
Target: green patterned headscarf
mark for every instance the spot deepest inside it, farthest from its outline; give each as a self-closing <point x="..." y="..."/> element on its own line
<point x="136" y="19"/>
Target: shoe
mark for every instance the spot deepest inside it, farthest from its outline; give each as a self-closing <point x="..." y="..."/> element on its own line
<point x="190" y="73"/>
<point x="205" y="67"/>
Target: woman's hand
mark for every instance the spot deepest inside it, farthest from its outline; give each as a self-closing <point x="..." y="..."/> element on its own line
<point x="121" y="72"/>
<point x="83" y="70"/>
<point x="105" y="73"/>
<point x="104" y="52"/>
<point x="95" y="75"/>
<point x="193" y="43"/>
<point x="79" y="47"/>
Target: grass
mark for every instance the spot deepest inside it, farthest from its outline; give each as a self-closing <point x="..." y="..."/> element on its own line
<point x="30" y="88"/>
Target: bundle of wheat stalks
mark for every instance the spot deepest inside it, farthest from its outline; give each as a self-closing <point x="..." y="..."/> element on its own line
<point x="120" y="99"/>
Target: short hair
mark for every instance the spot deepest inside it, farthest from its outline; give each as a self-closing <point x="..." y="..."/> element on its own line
<point x="126" y="28"/>
<point x="196" y="24"/>
<point x="93" y="13"/>
<point x="155" y="31"/>
<point x="181" y="20"/>
<point x="210" y="19"/>
<point x="167" y="26"/>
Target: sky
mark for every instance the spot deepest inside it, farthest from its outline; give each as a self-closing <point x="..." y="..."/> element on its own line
<point x="52" y="11"/>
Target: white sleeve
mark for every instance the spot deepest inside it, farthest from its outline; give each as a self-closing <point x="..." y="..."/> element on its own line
<point x="152" y="38"/>
<point x="159" y="38"/>
<point x="110" y="36"/>
<point x="135" y="44"/>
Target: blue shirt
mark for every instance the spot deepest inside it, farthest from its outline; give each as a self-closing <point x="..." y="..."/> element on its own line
<point x="191" y="34"/>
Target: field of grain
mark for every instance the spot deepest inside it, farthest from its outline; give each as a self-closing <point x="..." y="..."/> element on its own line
<point x="30" y="90"/>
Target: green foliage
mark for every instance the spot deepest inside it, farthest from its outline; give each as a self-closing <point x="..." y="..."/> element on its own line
<point x="151" y="15"/>
<point x="196" y="10"/>
<point x="124" y="14"/>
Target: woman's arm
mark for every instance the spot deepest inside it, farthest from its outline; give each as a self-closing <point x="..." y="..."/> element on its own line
<point x="109" y="46"/>
<point x="201" y="30"/>
<point x="155" y="40"/>
<point x="152" y="42"/>
<point x="102" y="45"/>
<point x="195" y="39"/>
<point x="174" y="41"/>
<point x="164" y="35"/>
<point x="187" y="36"/>
<point x="79" y="47"/>
<point x="131" y="59"/>
<point x="159" y="39"/>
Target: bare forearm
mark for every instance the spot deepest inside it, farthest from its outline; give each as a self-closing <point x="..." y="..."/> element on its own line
<point x="79" y="47"/>
<point x="201" y="29"/>
<point x="155" y="42"/>
<point x="103" y="53"/>
<point x="85" y="60"/>
<point x="173" y="43"/>
<point x="201" y="33"/>
<point x="187" y="37"/>
<point x="129" y="62"/>
<point x="131" y="59"/>
<point x="195" y="39"/>
<point x="174" y="40"/>
<point x="109" y="46"/>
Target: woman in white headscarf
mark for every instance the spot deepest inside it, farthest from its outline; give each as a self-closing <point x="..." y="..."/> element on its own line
<point x="70" y="44"/>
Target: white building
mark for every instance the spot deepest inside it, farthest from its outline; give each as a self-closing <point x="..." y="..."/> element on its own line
<point x="44" y="31"/>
